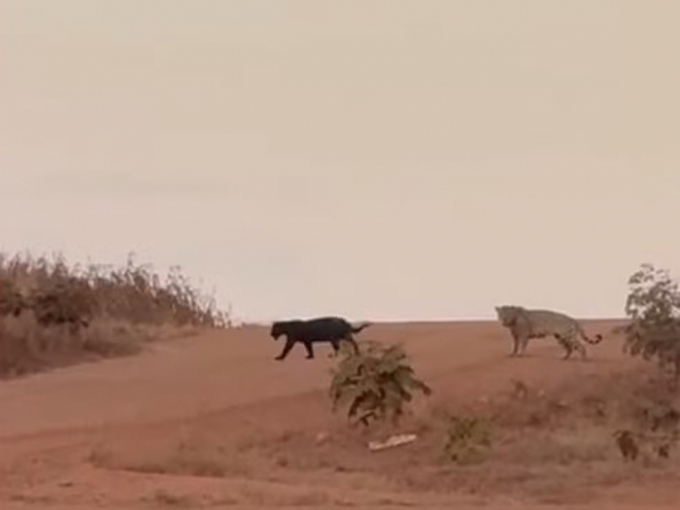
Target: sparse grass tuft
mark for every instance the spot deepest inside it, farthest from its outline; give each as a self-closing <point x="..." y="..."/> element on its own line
<point x="466" y="439"/>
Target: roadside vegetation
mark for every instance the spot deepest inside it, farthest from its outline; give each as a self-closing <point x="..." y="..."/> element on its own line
<point x="553" y="445"/>
<point x="53" y="313"/>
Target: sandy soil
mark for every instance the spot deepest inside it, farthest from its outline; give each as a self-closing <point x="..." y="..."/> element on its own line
<point x="97" y="435"/>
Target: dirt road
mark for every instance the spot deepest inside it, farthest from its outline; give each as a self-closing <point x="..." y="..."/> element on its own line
<point x="54" y="427"/>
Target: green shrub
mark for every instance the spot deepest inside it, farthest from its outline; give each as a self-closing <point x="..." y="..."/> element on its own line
<point x="375" y="385"/>
<point x="653" y="307"/>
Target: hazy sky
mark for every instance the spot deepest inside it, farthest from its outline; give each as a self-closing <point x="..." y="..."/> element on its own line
<point x="374" y="159"/>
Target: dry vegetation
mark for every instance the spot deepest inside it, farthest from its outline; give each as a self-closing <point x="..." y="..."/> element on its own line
<point x="557" y="446"/>
<point x="54" y="314"/>
<point x="562" y="444"/>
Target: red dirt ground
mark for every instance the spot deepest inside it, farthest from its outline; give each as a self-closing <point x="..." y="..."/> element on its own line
<point x="102" y="435"/>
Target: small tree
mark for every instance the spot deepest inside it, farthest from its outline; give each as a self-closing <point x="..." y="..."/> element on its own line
<point x="376" y="384"/>
<point x="653" y="306"/>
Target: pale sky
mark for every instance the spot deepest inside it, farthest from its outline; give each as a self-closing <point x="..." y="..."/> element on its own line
<point x="372" y="159"/>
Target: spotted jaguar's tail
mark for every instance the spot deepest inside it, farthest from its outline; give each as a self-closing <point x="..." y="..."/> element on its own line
<point x="593" y="341"/>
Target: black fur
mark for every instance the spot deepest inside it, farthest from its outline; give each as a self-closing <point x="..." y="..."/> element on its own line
<point x="308" y="332"/>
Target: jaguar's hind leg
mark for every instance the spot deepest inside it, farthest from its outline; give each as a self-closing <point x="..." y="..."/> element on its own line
<point x="309" y="349"/>
<point x="566" y="345"/>
<point x="581" y="349"/>
<point x="355" y="347"/>
<point x="336" y="348"/>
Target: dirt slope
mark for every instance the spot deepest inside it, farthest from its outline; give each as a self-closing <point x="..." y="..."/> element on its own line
<point x="226" y="385"/>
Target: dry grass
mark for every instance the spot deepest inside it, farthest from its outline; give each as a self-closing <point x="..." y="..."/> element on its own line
<point x="555" y="447"/>
<point x="188" y="455"/>
<point x="53" y="314"/>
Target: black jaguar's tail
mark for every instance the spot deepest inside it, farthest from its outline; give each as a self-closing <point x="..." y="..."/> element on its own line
<point x="360" y="327"/>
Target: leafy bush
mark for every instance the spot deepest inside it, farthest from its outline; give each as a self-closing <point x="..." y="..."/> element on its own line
<point x="653" y="306"/>
<point x="376" y="384"/>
